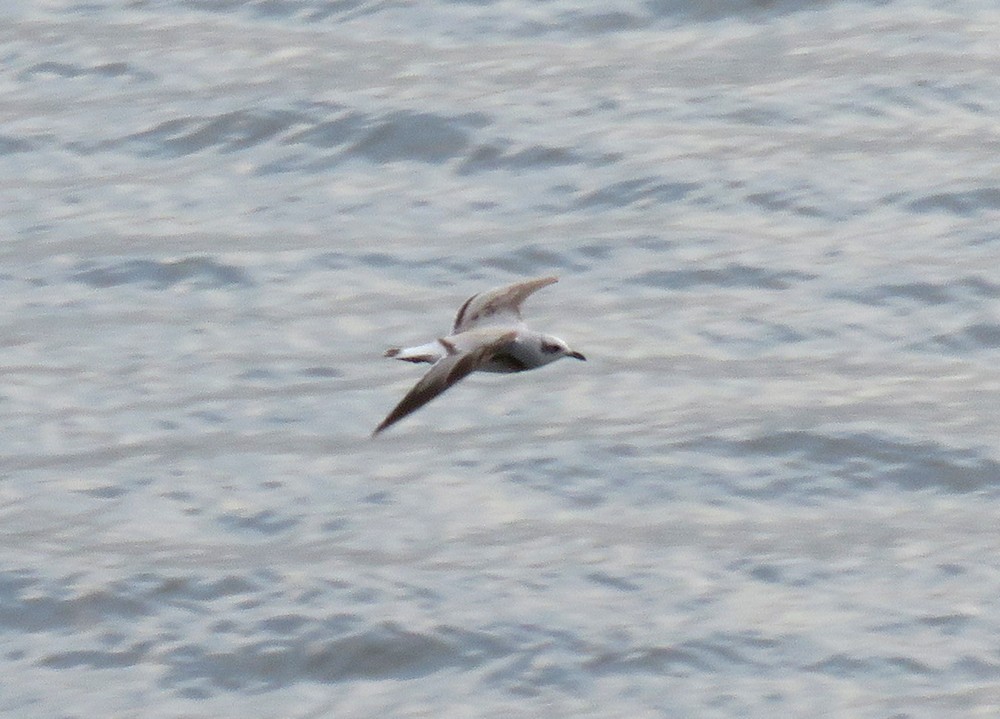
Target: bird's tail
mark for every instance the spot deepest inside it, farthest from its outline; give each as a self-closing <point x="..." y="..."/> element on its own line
<point x="429" y="353"/>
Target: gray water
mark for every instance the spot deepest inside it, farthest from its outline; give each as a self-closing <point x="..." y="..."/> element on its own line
<point x="770" y="492"/>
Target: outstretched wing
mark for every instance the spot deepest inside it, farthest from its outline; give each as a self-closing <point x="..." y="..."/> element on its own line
<point x="446" y="371"/>
<point x="500" y="305"/>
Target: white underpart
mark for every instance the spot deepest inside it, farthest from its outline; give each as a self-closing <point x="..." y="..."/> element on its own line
<point x="526" y="348"/>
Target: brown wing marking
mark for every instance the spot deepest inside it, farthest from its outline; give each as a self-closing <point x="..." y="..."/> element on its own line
<point x="461" y="313"/>
<point x="446" y="372"/>
<point x="489" y="303"/>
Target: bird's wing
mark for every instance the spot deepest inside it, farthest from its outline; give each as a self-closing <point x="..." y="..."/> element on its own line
<point x="446" y="371"/>
<point x="501" y="305"/>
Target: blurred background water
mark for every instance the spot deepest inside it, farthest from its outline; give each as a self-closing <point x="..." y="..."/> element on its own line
<point x="770" y="492"/>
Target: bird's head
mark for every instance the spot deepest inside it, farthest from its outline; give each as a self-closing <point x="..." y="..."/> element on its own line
<point x="553" y="348"/>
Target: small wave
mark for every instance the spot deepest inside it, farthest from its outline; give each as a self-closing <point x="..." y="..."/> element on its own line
<point x="202" y="272"/>
<point x="532" y="259"/>
<point x="316" y="653"/>
<point x="30" y="604"/>
<point x="401" y="136"/>
<point x="607" y="580"/>
<point x="416" y="136"/>
<point x="331" y="133"/>
<point x="927" y="293"/>
<point x="307" y="10"/>
<point x="395" y="137"/>
<point x="924" y="292"/>
<point x="99" y="658"/>
<point x="265" y="522"/>
<point x="980" y="287"/>
<point x="843" y="665"/>
<point x="948" y="624"/>
<point x="106" y="491"/>
<point x="321" y="373"/>
<point x="12" y="145"/>
<point x="868" y="459"/>
<point x="181" y="589"/>
<point x="965" y="204"/>
<point x="227" y="132"/>
<point x="977" y="336"/>
<point x="716" y="653"/>
<point x="711" y="10"/>
<point x="497" y="157"/>
<point x="589" y="23"/>
<point x="625" y="193"/>
<point x="784" y="202"/>
<point x="70" y="70"/>
<point x="733" y="275"/>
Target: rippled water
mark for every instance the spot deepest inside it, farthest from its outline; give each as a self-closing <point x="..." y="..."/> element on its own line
<point x="770" y="492"/>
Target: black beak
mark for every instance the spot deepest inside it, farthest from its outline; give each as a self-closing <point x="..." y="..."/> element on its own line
<point x="576" y="355"/>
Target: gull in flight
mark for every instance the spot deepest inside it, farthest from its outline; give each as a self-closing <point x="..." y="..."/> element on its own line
<point x="489" y="336"/>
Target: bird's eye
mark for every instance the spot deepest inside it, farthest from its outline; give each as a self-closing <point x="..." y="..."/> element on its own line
<point x="549" y="348"/>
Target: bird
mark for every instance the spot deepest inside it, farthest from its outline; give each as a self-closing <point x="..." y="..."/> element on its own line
<point x="488" y="335"/>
